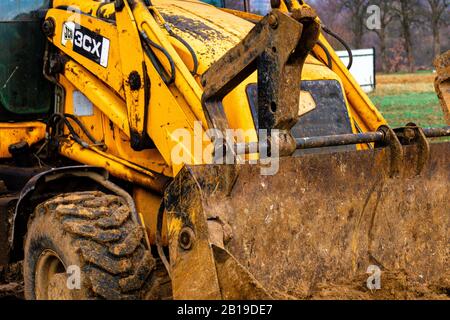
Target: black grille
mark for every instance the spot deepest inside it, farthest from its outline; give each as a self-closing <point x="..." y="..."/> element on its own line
<point x="330" y="117"/>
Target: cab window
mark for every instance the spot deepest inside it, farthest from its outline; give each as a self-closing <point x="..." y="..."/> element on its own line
<point x="24" y="91"/>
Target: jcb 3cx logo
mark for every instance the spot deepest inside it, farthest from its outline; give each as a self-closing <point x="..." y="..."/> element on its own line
<point x="87" y="43"/>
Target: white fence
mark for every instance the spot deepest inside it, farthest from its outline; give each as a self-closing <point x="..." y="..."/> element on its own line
<point x="363" y="68"/>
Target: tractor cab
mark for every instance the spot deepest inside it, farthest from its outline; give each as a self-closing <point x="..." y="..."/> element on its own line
<point x="24" y="92"/>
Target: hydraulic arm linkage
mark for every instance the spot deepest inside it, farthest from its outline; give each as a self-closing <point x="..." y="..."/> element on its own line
<point x="277" y="48"/>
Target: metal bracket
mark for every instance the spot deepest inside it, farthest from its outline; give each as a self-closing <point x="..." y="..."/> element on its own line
<point x="412" y="134"/>
<point x="396" y="149"/>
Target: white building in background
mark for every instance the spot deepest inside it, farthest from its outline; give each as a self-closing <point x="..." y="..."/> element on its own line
<point x="363" y="68"/>
<point x="261" y="7"/>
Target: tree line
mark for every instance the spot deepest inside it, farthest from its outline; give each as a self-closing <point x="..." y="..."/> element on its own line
<point x="408" y="33"/>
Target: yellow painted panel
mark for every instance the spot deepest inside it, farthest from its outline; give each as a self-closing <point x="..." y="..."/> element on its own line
<point x="147" y="204"/>
<point x="11" y="133"/>
<point x="112" y="74"/>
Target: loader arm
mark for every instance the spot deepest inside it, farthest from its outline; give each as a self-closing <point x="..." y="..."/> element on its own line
<point x="362" y="109"/>
<point x="137" y="96"/>
<point x="277" y="48"/>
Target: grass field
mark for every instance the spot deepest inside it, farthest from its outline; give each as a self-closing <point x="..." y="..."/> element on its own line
<point x="404" y="98"/>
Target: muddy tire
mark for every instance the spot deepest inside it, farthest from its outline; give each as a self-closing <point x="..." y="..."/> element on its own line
<point x="85" y="245"/>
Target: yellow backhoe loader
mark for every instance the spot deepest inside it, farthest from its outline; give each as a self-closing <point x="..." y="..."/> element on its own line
<point x="172" y="149"/>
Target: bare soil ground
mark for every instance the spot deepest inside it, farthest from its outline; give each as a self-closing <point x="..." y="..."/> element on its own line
<point x="394" y="286"/>
<point x="394" y="84"/>
<point x="404" y="78"/>
<point x="11" y="283"/>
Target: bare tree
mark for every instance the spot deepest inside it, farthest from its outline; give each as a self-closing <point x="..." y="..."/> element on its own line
<point x="403" y="36"/>
<point x="387" y="15"/>
<point x="436" y="13"/>
<point x="358" y="12"/>
<point x="336" y="18"/>
<point x="406" y="11"/>
<point x="329" y="12"/>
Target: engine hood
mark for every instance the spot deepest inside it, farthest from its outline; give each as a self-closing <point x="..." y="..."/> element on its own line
<point x="210" y="31"/>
